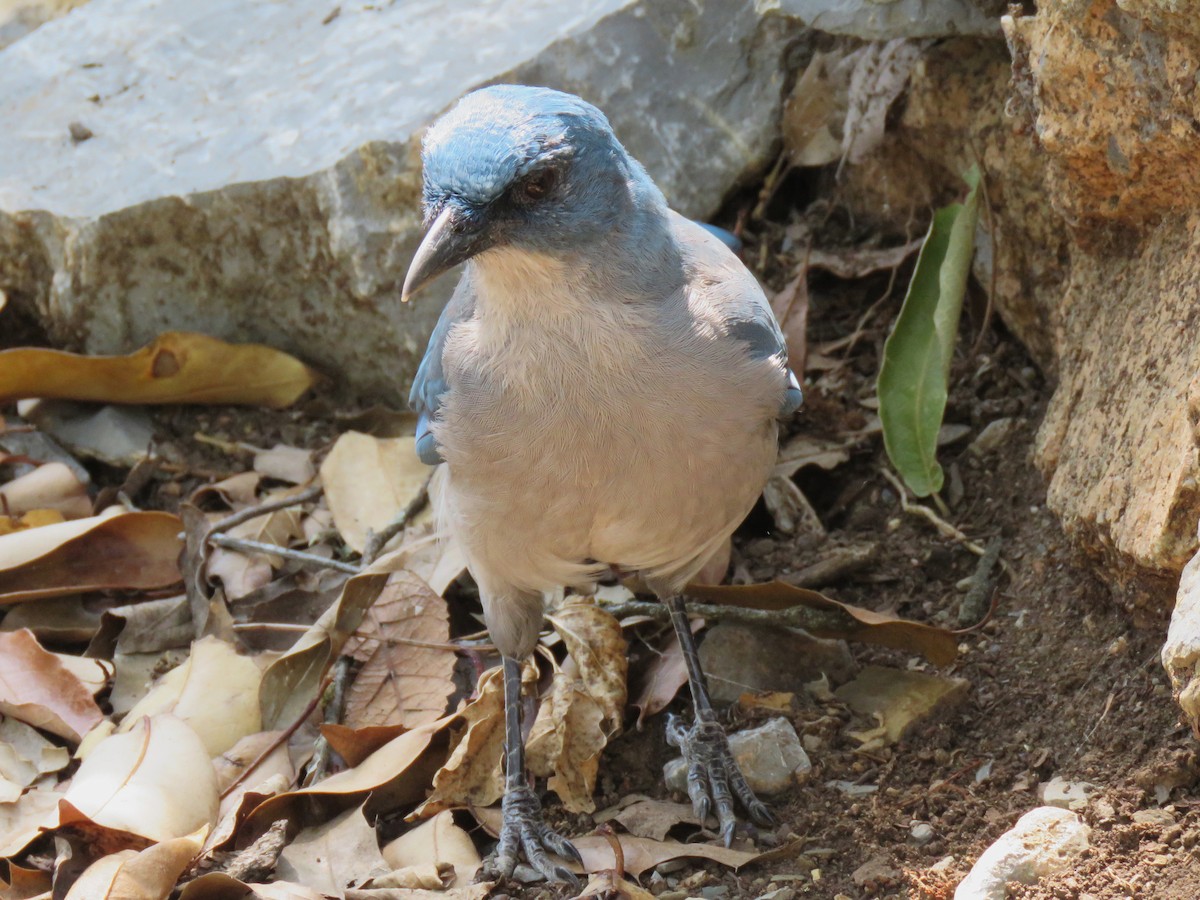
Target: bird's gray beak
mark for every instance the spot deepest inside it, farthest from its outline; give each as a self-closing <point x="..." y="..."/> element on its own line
<point x="454" y="237"/>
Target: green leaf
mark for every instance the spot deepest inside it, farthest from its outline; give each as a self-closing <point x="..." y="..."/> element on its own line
<point x="912" y="384"/>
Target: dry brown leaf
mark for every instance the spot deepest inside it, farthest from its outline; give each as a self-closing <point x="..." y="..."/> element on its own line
<point x="472" y="773"/>
<point x="611" y="886"/>
<point x="238" y="491"/>
<point x="400" y="683"/>
<point x="130" y="875"/>
<point x="858" y="262"/>
<point x="334" y="856"/>
<point x="596" y="643"/>
<point x="215" y="692"/>
<point x="368" y="481"/>
<point x="437" y="559"/>
<point x="650" y="818"/>
<point x="62" y="620"/>
<point x="115" y="549"/>
<point x="25" y="755"/>
<point x="25" y="884"/>
<point x="155" y="781"/>
<point x="802" y="450"/>
<point x="852" y="623"/>
<point x="94" y="674"/>
<point x="881" y="72"/>
<point x="271" y="776"/>
<point x="439" y="842"/>
<point x="26" y="819"/>
<point x="291" y="682"/>
<point x="52" y="486"/>
<point x="897" y="699"/>
<point x="812" y="107"/>
<point x="663" y="678"/>
<point x="395" y="774"/>
<point x="567" y="739"/>
<point x="36" y="688"/>
<point x="178" y="367"/>
<point x="145" y="627"/>
<point x="356" y="744"/>
<point x="240" y="573"/>
<point x="790" y="306"/>
<point x="285" y="463"/>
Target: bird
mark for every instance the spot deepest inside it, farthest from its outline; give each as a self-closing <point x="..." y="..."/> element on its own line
<point x="604" y="388"/>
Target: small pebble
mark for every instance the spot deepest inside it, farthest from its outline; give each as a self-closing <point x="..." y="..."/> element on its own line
<point x="714" y="892"/>
<point x="921" y="833"/>
<point x="1160" y="817"/>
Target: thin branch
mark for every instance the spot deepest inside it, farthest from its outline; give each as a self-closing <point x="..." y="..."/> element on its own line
<point x="283" y="738"/>
<point x="377" y="540"/>
<point x="793" y="616"/>
<point x="921" y="511"/>
<point x="262" y="509"/>
<point x="248" y="546"/>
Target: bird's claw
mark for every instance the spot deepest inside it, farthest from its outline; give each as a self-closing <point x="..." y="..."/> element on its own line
<point x="713" y="776"/>
<point x="523" y="830"/>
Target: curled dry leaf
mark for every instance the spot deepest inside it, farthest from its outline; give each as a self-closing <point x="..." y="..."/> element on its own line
<point x="115" y="549"/>
<point x="642" y="854"/>
<point x="178" y="367"/>
<point x="25" y="755"/>
<point x="368" y="481"/>
<point x="62" y="620"/>
<point x="852" y="623"/>
<point x="219" y="886"/>
<point x="611" y="886"/>
<point x="401" y="683"/>
<point x="36" y="688"/>
<point x="567" y="739"/>
<point x="898" y="700"/>
<point x="595" y="642"/>
<point x="663" y="678"/>
<point x="285" y="463"/>
<point x="26" y="819"/>
<point x="472" y="773"/>
<point x="52" y="486"/>
<point x="356" y="744"/>
<point x="130" y="875"/>
<point x="291" y="682"/>
<point x="395" y="774"/>
<point x="333" y="856"/>
<point x="440" y="842"/>
<point x="155" y="781"/>
<point x="215" y="692"/>
<point x="37" y="518"/>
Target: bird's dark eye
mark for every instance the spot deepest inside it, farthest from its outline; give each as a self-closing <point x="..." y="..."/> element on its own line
<point x="539" y="184"/>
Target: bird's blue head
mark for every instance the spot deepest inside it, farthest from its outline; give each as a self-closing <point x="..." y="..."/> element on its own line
<point x="523" y="167"/>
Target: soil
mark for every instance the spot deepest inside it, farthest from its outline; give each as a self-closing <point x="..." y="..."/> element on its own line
<point x="1061" y="682"/>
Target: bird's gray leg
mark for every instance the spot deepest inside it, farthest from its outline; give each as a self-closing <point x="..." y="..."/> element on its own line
<point x="713" y="775"/>
<point x="522" y="827"/>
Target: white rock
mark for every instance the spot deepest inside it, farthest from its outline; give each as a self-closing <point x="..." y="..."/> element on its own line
<point x="1044" y="841"/>
<point x="770" y="756"/>
<point x="1181" y="652"/>
<point x="1073" y="795"/>
<point x="253" y="170"/>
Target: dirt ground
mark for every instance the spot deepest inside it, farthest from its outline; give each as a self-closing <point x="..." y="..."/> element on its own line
<point x="1061" y="682"/>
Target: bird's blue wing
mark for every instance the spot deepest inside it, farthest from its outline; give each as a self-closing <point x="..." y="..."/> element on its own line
<point x="430" y="382"/>
<point x="765" y="340"/>
<point x="736" y="302"/>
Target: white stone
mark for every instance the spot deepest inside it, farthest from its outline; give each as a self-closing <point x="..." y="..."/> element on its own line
<point x="1044" y="841"/>
<point x="770" y="756"/>
<point x="1073" y="795"/>
<point x="1181" y="652"/>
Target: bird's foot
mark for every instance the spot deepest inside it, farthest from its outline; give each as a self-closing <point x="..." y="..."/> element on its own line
<point x="524" y="830"/>
<point x="713" y="776"/>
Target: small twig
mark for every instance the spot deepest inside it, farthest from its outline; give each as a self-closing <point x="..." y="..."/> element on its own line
<point x="248" y="546"/>
<point x="262" y="509"/>
<point x="793" y="616"/>
<point x="283" y="738"/>
<point x="376" y="541"/>
<point x="606" y="832"/>
<point x="257" y="862"/>
<point x="974" y="605"/>
<point x="944" y="528"/>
